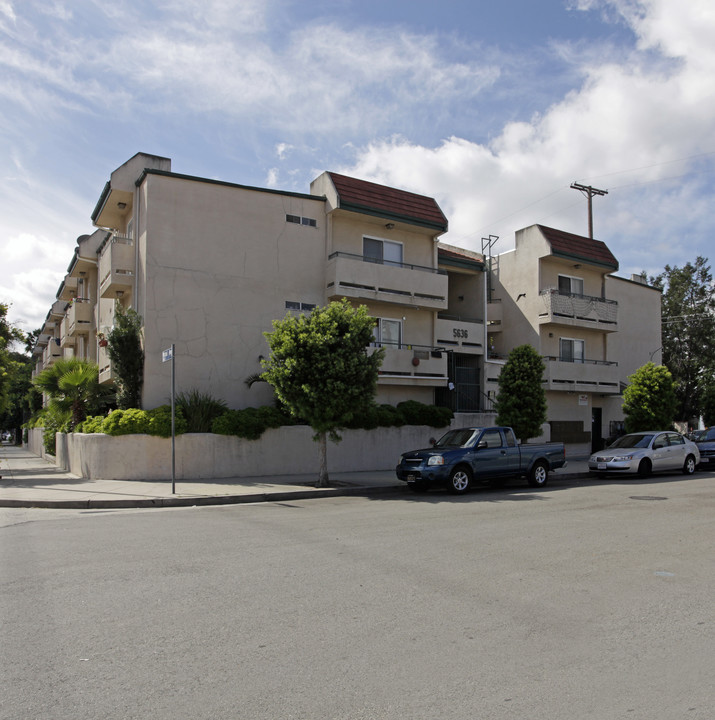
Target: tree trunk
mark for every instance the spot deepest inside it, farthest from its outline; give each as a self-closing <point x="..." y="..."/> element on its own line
<point x="323" y="460"/>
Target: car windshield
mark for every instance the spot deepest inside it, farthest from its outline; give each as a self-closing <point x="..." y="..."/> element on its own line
<point x="633" y="441"/>
<point x="456" y="438"/>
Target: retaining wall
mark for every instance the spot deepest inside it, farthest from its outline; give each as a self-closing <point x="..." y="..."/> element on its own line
<point x="282" y="451"/>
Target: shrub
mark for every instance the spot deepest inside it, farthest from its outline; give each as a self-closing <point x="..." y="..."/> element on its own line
<point x="92" y="424"/>
<point x="160" y="422"/>
<point x="126" y="422"/>
<point x="199" y="410"/>
<point x="417" y="413"/>
<point x="136" y="422"/>
<point x="249" y="423"/>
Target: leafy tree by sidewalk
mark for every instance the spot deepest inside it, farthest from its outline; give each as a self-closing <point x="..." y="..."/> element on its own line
<point x="688" y="310"/>
<point x="124" y="347"/>
<point x="521" y="402"/>
<point x="649" y="402"/>
<point x="321" y="370"/>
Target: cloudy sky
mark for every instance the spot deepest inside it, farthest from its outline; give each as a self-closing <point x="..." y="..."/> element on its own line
<point x="493" y="108"/>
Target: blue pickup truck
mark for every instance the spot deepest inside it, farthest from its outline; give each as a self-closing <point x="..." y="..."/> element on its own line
<point x="464" y="457"/>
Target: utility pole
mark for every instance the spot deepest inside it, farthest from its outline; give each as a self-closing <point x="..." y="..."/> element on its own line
<point x="589" y="192"/>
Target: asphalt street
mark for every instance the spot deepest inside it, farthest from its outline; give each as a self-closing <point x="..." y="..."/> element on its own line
<point x="582" y="601"/>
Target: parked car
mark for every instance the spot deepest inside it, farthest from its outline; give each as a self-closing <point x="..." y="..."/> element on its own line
<point x="465" y="456"/>
<point x="647" y="452"/>
<point x="706" y="445"/>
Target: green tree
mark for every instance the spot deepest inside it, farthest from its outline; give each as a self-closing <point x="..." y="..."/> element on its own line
<point x="73" y="386"/>
<point x="709" y="404"/>
<point x="321" y="371"/>
<point x="124" y="347"/>
<point x="9" y="334"/>
<point x="521" y="401"/>
<point x="19" y="400"/>
<point x="649" y="401"/>
<point x="688" y="311"/>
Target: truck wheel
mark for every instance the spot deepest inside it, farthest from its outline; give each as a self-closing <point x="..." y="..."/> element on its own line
<point x="689" y="467"/>
<point x="460" y="480"/>
<point x="539" y="474"/>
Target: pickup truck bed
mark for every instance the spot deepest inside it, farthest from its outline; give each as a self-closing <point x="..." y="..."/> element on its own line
<point x="465" y="457"/>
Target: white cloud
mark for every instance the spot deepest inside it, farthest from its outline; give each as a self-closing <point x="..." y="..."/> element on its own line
<point x="634" y="116"/>
<point x="7" y="10"/>
<point x="272" y="178"/>
<point x="283" y="150"/>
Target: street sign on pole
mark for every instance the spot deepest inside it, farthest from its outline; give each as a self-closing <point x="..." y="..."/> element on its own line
<point x="168" y="355"/>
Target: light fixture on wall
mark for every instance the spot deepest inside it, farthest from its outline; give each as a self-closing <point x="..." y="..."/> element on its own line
<point x="389" y="226"/>
<point x="121" y="205"/>
<point x="120" y="293"/>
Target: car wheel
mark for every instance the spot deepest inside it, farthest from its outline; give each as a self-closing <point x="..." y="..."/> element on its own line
<point x="539" y="474"/>
<point x="644" y="467"/>
<point x="689" y="467"/>
<point x="460" y="480"/>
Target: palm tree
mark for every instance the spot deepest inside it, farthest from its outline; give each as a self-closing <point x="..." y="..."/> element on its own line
<point x="73" y="385"/>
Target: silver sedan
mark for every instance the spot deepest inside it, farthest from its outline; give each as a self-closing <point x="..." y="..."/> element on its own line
<point x="647" y="452"/>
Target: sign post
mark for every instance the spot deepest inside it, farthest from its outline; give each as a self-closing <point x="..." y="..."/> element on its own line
<point x="166" y="356"/>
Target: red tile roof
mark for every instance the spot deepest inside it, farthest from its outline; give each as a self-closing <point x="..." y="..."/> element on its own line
<point x="382" y="201"/>
<point x="463" y="258"/>
<point x="576" y="247"/>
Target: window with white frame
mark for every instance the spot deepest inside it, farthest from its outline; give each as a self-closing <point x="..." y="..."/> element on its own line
<point x="571" y="350"/>
<point x="570" y="285"/>
<point x="299" y="220"/>
<point x="387" y="333"/>
<point x="382" y="251"/>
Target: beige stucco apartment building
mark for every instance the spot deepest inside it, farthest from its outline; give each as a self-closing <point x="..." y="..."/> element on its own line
<point x="557" y="292"/>
<point x="209" y="265"/>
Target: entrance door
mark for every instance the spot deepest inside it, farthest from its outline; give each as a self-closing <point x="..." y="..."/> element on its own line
<point x="596" y="429"/>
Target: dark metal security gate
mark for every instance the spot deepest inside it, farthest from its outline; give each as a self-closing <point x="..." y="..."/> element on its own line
<point x="464" y="391"/>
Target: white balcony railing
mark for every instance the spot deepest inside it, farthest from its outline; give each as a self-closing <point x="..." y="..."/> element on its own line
<point x="362" y="278"/>
<point x="579" y="310"/>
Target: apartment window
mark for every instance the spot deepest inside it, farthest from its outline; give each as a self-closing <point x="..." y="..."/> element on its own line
<point x="387" y="333"/>
<point x="293" y="305"/>
<point x="571" y="350"/>
<point x="382" y="251"/>
<point x="298" y="220"/>
<point x="570" y="285"/>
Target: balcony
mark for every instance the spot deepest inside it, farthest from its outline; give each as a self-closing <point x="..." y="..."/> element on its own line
<point x="80" y="317"/>
<point x="51" y="354"/>
<point x="495" y="316"/>
<point x="361" y="278"/>
<point x="460" y="333"/>
<point x="117" y="266"/>
<point x="597" y="376"/>
<point x="582" y="311"/>
<point x="106" y="374"/>
<point x="66" y="340"/>
<point x="414" y="365"/>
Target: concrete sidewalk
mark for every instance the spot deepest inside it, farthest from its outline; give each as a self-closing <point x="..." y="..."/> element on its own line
<point x="30" y="481"/>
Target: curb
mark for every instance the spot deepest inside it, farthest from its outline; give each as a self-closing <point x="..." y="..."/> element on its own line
<point x="204" y="500"/>
<point x="207" y="500"/>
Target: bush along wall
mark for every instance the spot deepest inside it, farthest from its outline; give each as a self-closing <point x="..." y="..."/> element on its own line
<point x="251" y="423"/>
